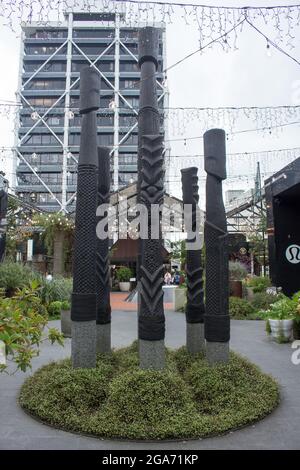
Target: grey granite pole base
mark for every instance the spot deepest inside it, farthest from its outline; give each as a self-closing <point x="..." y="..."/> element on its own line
<point x="152" y="354"/>
<point x="103" y="340"/>
<point x="217" y="352"/>
<point x="84" y="344"/>
<point x="195" y="341"/>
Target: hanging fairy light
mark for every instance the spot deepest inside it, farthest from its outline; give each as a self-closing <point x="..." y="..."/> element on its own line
<point x="211" y="21"/>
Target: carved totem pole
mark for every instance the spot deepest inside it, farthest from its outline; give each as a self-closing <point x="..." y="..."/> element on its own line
<point x="151" y="319"/>
<point x="83" y="310"/>
<point x="217" y="322"/>
<point x="103" y="318"/>
<point x="195" y="341"/>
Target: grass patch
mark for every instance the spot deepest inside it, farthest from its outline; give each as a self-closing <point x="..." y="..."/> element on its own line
<point x="188" y="399"/>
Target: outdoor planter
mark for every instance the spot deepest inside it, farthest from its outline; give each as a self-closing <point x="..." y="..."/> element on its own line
<point x="124" y="286"/>
<point x="236" y="288"/>
<point x="179" y="298"/>
<point x="281" y="329"/>
<point x="65" y="322"/>
<point x="250" y="293"/>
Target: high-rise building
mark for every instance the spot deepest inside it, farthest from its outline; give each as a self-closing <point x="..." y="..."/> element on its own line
<point x="48" y="133"/>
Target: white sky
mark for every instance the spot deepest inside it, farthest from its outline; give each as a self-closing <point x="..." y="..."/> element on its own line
<point x="246" y="77"/>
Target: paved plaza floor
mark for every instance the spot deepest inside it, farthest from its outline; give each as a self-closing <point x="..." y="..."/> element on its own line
<point x="280" y="430"/>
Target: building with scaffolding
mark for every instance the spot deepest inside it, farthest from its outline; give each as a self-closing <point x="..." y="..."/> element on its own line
<point x="48" y="130"/>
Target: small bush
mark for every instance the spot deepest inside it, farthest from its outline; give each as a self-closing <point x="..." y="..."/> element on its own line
<point x="65" y="305"/>
<point x="124" y="274"/>
<point x="149" y="397"/>
<point x="23" y="320"/>
<point x="54" y="308"/>
<point x="240" y="309"/>
<point x="262" y="300"/>
<point x="59" y="288"/>
<point x="259" y="283"/>
<point x="15" y="276"/>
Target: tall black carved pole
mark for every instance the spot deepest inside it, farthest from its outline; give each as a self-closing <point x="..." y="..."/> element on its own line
<point x="83" y="310"/>
<point x="217" y="322"/>
<point x="151" y="320"/>
<point x="195" y="341"/>
<point x="103" y="319"/>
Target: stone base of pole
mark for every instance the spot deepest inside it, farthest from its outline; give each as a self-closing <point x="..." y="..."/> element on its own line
<point x="195" y="341"/>
<point x="84" y="344"/>
<point x="103" y="338"/>
<point x="152" y="354"/>
<point x="217" y="352"/>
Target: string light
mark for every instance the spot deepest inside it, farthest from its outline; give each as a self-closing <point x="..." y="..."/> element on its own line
<point x="209" y="20"/>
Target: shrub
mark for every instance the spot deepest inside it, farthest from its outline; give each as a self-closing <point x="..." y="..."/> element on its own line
<point x="283" y="309"/>
<point x="54" y="308"/>
<point x="124" y="274"/>
<point x="22" y="325"/>
<point x="59" y="288"/>
<point x="240" y="309"/>
<point x="259" y="283"/>
<point x="149" y="397"/>
<point x="189" y="399"/>
<point x="65" y="305"/>
<point x="237" y="271"/>
<point x="15" y="276"/>
<point x="262" y="300"/>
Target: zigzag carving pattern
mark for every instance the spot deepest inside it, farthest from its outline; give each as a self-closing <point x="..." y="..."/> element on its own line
<point x="152" y="171"/>
<point x="195" y="293"/>
<point x="102" y="246"/>
<point x="151" y="312"/>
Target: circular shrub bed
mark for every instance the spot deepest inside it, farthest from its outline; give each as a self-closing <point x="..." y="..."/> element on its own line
<point x="188" y="399"/>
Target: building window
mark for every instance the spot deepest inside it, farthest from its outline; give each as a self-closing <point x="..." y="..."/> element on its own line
<point x="129" y="67"/>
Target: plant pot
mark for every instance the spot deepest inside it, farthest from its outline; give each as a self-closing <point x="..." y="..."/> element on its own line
<point x="281" y="330"/>
<point x="124" y="286"/>
<point x="236" y="288"/>
<point x="180" y="298"/>
<point x="296" y="330"/>
<point x="65" y="323"/>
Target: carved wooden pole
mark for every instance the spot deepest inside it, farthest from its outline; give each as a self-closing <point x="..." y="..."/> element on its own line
<point x="83" y="310"/>
<point x="151" y="320"/>
<point x="103" y="319"/>
<point x="195" y="341"/>
<point x="217" y="321"/>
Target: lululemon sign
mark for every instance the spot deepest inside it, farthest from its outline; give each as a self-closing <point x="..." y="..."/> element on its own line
<point x="292" y="254"/>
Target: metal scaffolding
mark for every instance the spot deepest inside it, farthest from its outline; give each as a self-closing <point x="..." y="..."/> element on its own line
<point x="72" y="46"/>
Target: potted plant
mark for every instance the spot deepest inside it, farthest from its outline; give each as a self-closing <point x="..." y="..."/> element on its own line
<point x="124" y="275"/>
<point x="54" y="309"/>
<point x="237" y="272"/>
<point x="280" y="318"/>
<point x="257" y="284"/>
<point x="65" y="319"/>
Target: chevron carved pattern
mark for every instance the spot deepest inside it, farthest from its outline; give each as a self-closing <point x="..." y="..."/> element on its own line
<point x="195" y="293"/>
<point x="152" y="170"/>
<point x="151" y="289"/>
<point x="102" y="246"/>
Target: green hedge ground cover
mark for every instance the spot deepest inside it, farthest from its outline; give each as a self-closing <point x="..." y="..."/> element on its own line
<point x="188" y="399"/>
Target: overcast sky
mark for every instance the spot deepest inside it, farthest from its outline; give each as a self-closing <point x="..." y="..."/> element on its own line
<point x="246" y="77"/>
